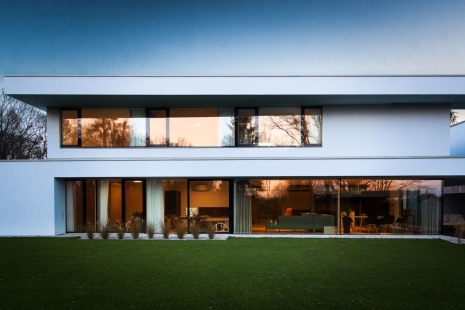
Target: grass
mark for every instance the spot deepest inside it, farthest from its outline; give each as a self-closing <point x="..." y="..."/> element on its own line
<point x="60" y="273"/>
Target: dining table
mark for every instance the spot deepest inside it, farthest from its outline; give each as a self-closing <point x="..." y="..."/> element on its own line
<point x="360" y="221"/>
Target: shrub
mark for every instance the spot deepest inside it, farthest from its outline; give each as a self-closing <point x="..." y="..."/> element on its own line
<point x="195" y="230"/>
<point x="119" y="230"/>
<point x="105" y="229"/>
<point x="180" y="231"/>
<point x="90" y="230"/>
<point x="459" y="231"/>
<point x="165" y="229"/>
<point x="136" y="227"/>
<point x="150" y="229"/>
<point x="211" y="230"/>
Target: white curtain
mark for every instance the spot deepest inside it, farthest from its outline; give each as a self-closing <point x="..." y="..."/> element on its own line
<point x="226" y="127"/>
<point x="155" y="203"/>
<point x="70" y="207"/>
<point x="243" y="208"/>
<point x="138" y="124"/>
<point x="103" y="197"/>
<point x="430" y="204"/>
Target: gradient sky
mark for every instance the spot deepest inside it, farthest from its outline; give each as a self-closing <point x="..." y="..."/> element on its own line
<point x="327" y="37"/>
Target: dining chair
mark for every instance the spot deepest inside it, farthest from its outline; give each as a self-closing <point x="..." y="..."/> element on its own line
<point x="371" y="222"/>
<point x="401" y="223"/>
<point x="389" y="223"/>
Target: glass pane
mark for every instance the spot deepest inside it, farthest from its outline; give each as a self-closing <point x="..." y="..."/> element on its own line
<point x="392" y="206"/>
<point x="246" y="126"/>
<point x="312" y="126"/>
<point x="115" y="206"/>
<point x="293" y="205"/>
<point x="200" y="127"/>
<point x="113" y="127"/>
<point x="110" y="201"/>
<point x="209" y="204"/>
<point x="133" y="200"/>
<point x="279" y="126"/>
<point x="69" y="127"/>
<point x="175" y="202"/>
<point x="157" y="127"/>
<point x="91" y="202"/>
<point x="74" y="206"/>
<point x="137" y="124"/>
<point x="226" y="127"/>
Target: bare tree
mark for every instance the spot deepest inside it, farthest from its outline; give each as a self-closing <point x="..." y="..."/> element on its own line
<point x="22" y="130"/>
<point x="107" y="132"/>
<point x="453" y="118"/>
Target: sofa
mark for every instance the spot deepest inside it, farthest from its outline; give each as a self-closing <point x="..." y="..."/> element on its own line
<point x="452" y="219"/>
<point x="308" y="222"/>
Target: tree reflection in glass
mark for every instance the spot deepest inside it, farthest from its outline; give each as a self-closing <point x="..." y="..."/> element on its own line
<point x="246" y="126"/>
<point x="106" y="132"/>
<point x="279" y="126"/>
<point x="312" y="126"/>
<point x="69" y="127"/>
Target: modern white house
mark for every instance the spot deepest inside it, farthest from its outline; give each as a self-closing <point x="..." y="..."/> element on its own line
<point x="248" y="154"/>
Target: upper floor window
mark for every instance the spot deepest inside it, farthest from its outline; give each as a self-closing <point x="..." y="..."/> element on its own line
<point x="279" y="126"/>
<point x="192" y="127"/>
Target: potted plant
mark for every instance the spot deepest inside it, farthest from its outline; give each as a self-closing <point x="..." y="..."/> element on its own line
<point x="346" y="219"/>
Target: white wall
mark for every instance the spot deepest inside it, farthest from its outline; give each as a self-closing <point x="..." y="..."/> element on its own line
<point x="32" y="192"/>
<point x="26" y="199"/>
<point x="365" y="130"/>
<point x="457" y="140"/>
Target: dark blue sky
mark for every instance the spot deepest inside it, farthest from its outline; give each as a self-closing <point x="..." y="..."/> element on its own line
<point x="100" y="37"/>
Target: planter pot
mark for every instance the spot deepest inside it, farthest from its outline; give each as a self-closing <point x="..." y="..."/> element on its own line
<point x="347" y="229"/>
<point x="346" y="223"/>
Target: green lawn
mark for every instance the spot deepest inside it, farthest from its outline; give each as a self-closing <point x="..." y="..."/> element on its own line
<point x="62" y="273"/>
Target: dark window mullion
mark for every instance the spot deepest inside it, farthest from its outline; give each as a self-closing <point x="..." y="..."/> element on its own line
<point x="167" y="113"/>
<point x="79" y="127"/>
<point x="256" y="127"/>
<point x="147" y="127"/>
<point x="302" y="126"/>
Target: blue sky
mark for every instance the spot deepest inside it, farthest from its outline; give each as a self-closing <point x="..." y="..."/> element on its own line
<point x="327" y="37"/>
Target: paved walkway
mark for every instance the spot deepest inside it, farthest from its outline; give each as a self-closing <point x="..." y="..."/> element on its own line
<point x="128" y="236"/>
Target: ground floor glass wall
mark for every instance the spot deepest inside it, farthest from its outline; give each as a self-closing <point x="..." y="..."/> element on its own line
<point x="320" y="206"/>
<point x="292" y="205"/>
<point x="171" y="202"/>
<point x="392" y="206"/>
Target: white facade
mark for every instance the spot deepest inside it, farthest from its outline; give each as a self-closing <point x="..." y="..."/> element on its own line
<point x="373" y="127"/>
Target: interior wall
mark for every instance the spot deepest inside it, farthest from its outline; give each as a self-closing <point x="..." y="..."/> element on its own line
<point x="213" y="198"/>
<point x="133" y="196"/>
<point x="115" y="203"/>
<point x="179" y="185"/>
<point x="301" y="200"/>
